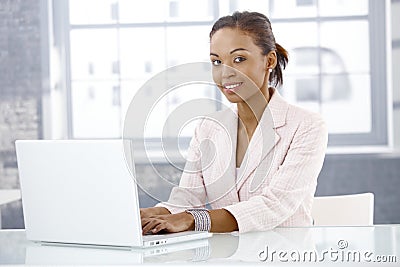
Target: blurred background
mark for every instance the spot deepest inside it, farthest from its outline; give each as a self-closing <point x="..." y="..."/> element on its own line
<point x="69" y="69"/>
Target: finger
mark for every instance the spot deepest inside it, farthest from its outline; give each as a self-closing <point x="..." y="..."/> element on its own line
<point x="162" y="226"/>
<point x="145" y="221"/>
<point x="150" y="225"/>
<point x="158" y="216"/>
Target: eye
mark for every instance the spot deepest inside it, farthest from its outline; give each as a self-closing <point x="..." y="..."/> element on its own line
<point x="239" y="59"/>
<point x="216" y="62"/>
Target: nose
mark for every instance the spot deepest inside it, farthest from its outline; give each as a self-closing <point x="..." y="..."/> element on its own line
<point x="227" y="71"/>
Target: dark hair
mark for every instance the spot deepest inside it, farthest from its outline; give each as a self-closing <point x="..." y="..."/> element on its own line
<point x="259" y="27"/>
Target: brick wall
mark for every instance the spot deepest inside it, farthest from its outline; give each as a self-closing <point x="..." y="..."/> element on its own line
<point x="20" y="87"/>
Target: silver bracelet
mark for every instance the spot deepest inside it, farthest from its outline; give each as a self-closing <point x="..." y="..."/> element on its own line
<point x="202" y="220"/>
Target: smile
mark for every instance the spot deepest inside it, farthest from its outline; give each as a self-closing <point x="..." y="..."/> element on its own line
<point x="232" y="86"/>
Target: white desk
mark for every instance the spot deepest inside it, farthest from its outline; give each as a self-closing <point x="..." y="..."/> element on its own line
<point x="8" y="196"/>
<point x="283" y="245"/>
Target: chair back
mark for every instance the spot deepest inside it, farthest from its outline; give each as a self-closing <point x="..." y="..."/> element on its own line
<point x="344" y="210"/>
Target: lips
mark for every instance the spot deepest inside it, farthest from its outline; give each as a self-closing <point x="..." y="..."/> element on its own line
<point x="231" y="87"/>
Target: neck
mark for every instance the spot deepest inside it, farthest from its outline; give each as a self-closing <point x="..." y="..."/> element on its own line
<point x="251" y="110"/>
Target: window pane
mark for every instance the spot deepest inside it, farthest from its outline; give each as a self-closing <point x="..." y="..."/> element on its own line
<point x="291" y="35"/>
<point x="179" y="104"/>
<point x="293" y="8"/>
<point x="302" y="90"/>
<point x="347" y="110"/>
<point x="194" y="47"/>
<point x="96" y="109"/>
<point x="142" y="52"/>
<point x="162" y="10"/>
<point x="249" y="5"/>
<point x="303" y="52"/>
<point x="143" y="11"/>
<point x="395" y="10"/>
<point x="188" y="96"/>
<point x="336" y="87"/>
<point x="190" y="10"/>
<point x="94" y="54"/>
<point x="343" y="7"/>
<point x="92" y="11"/>
<point x="128" y="91"/>
<point x="346" y="42"/>
<point x="304" y="60"/>
<point x="345" y="99"/>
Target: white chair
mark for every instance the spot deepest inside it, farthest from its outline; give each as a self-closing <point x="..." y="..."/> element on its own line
<point x="344" y="210"/>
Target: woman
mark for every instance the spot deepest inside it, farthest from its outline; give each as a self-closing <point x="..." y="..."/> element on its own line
<point x="277" y="148"/>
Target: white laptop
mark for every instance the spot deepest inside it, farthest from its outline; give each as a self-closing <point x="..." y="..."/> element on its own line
<point x="82" y="192"/>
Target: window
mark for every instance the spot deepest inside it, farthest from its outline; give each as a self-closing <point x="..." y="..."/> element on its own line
<point x="337" y="61"/>
<point x="117" y="46"/>
<point x="335" y="47"/>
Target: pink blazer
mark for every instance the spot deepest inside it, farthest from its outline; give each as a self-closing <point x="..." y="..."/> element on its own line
<point x="276" y="182"/>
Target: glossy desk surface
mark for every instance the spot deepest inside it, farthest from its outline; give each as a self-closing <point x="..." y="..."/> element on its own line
<point x="375" y="245"/>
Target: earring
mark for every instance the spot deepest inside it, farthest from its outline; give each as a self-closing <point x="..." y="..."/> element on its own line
<point x="270" y="70"/>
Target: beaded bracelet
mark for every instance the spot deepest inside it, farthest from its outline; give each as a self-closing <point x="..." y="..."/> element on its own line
<point x="202" y="220"/>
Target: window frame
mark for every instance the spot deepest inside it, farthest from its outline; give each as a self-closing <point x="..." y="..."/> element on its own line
<point x="379" y="39"/>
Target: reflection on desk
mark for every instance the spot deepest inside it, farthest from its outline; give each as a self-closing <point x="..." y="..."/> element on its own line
<point x="326" y="245"/>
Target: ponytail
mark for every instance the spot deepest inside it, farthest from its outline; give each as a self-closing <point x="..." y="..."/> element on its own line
<point x="276" y="77"/>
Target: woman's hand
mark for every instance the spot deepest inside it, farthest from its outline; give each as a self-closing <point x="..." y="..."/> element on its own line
<point x="170" y="223"/>
<point x="152" y="211"/>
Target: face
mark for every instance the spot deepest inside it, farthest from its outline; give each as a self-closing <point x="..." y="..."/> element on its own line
<point x="240" y="70"/>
